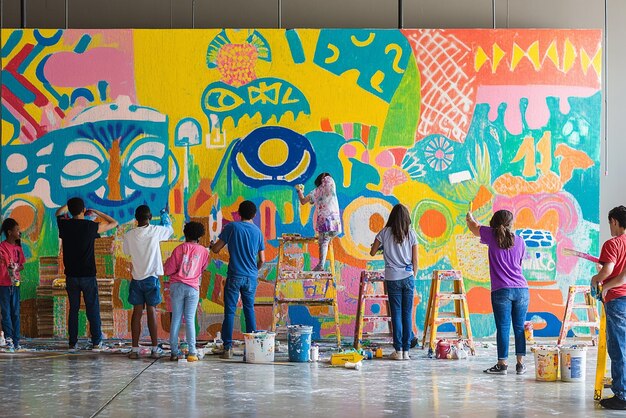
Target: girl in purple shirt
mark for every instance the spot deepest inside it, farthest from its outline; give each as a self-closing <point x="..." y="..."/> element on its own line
<point x="509" y="289"/>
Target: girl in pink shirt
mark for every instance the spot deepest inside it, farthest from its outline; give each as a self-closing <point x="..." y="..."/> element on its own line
<point x="11" y="263"/>
<point x="184" y="268"/>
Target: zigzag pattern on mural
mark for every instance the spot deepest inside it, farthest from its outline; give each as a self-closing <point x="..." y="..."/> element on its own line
<point x="563" y="60"/>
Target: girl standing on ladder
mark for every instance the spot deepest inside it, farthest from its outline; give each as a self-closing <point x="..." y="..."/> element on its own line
<point x="327" y="217"/>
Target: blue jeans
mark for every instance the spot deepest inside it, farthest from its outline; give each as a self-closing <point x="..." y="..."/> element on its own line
<point x="89" y="287"/>
<point x="510" y="304"/>
<point x="184" y="302"/>
<point x="616" y="343"/>
<point x="145" y="292"/>
<point x="10" y="304"/>
<point x="400" y="293"/>
<point x="233" y="287"/>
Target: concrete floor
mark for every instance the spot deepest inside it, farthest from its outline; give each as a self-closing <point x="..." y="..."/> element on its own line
<point x="49" y="383"/>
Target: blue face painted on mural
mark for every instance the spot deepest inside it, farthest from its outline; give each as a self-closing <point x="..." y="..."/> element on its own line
<point x="115" y="165"/>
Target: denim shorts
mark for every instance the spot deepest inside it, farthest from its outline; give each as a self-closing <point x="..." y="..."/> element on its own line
<point x="146" y="291"/>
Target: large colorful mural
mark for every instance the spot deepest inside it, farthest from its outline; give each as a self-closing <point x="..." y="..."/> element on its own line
<point x="197" y="121"/>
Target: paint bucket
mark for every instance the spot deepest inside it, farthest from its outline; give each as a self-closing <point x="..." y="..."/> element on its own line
<point x="299" y="342"/>
<point x="259" y="347"/>
<point x="546" y="364"/>
<point x="443" y="350"/>
<point x="315" y="353"/>
<point x="573" y="363"/>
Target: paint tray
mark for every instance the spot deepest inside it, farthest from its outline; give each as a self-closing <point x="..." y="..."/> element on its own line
<point x="339" y="359"/>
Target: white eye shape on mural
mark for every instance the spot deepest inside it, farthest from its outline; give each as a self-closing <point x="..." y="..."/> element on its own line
<point x="84" y="159"/>
<point x="145" y="164"/>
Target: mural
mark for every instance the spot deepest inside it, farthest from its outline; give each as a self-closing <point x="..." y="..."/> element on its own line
<point x="197" y="121"/>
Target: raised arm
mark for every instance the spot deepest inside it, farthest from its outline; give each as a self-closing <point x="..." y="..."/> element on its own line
<point x="301" y="197"/>
<point x="374" y="248"/>
<point x="473" y="226"/>
<point x="108" y="222"/>
<point x="217" y="247"/>
<point x="60" y="211"/>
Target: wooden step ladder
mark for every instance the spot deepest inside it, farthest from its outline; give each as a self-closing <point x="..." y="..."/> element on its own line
<point x="460" y="315"/>
<point x="285" y="276"/>
<point x="602" y="379"/>
<point x="590" y="306"/>
<point x="366" y="288"/>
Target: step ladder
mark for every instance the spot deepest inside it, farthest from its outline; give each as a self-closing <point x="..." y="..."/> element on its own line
<point x="590" y="306"/>
<point x="367" y="286"/>
<point x="460" y="315"/>
<point x="285" y="276"/>
<point x="602" y="379"/>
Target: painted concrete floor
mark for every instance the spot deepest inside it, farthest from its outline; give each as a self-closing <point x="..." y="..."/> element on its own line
<point x="110" y="385"/>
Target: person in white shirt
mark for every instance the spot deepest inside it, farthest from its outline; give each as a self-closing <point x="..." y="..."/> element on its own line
<point x="142" y="245"/>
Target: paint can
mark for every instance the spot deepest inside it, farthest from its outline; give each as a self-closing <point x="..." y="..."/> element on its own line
<point x="299" y="342"/>
<point x="379" y="352"/>
<point x="529" y="331"/>
<point x="315" y="353"/>
<point x="368" y="354"/>
<point x="184" y="348"/>
<point x="546" y="363"/>
<point x="259" y="347"/>
<point x="443" y="349"/>
<point x="573" y="363"/>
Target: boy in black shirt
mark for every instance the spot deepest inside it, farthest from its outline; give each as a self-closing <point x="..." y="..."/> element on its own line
<point x="78" y="235"/>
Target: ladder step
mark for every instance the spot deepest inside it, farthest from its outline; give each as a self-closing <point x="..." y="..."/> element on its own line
<point x="583" y="324"/>
<point x="264" y="303"/>
<point x="306" y="301"/>
<point x="296" y="238"/>
<point x="305" y="275"/>
<point x="377" y="334"/>
<point x="449" y="320"/>
<point x="583" y="306"/>
<point x="375" y="297"/>
<point x="373" y="318"/>
<point x="451" y="296"/>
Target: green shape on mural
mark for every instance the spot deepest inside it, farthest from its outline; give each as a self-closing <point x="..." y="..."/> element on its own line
<point x="404" y="111"/>
<point x="124" y="286"/>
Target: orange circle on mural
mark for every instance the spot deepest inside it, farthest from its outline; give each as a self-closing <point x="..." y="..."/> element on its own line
<point x="433" y="224"/>
<point x="377" y="222"/>
<point x="24" y="215"/>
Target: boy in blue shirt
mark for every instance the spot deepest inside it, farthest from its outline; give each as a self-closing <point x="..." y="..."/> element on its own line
<point x="246" y="247"/>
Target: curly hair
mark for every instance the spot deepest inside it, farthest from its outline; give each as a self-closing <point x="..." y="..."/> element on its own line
<point x="193" y="231"/>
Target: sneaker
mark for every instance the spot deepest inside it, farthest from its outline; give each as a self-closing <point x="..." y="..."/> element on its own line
<point x="74" y="347"/>
<point x="613" y="403"/>
<point x="156" y="353"/>
<point x="191" y="358"/>
<point x="520" y="368"/>
<point x="227" y="354"/>
<point x="173" y="357"/>
<point x="396" y="355"/>
<point x="406" y="356"/>
<point x="497" y="369"/>
<point x="414" y="342"/>
<point x="99" y="346"/>
<point x="134" y="355"/>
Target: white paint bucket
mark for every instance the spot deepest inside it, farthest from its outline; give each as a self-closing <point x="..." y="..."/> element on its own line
<point x="259" y="347"/>
<point x="546" y="364"/>
<point x="573" y="363"/>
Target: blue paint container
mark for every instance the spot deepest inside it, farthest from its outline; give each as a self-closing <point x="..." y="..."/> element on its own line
<point x="299" y="342"/>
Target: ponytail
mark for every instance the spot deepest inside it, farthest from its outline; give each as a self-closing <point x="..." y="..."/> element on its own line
<point x="501" y="224"/>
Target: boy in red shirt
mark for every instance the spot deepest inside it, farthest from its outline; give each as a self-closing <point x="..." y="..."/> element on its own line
<point x="613" y="260"/>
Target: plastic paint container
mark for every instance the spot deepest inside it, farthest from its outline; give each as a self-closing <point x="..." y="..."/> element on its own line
<point x="546" y="364"/>
<point x="315" y="353"/>
<point x="299" y="342"/>
<point x="259" y="347"/>
<point x="573" y="363"/>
